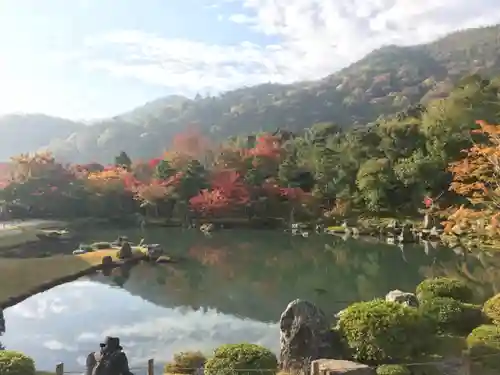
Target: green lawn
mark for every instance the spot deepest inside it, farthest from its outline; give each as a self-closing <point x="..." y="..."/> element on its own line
<point x="19" y="276"/>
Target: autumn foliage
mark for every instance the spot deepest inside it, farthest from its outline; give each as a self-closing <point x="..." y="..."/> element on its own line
<point x="227" y="193"/>
<point x="207" y="180"/>
<point x="476" y="177"/>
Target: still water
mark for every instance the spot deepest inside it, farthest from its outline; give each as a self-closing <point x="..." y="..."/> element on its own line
<point x="231" y="288"/>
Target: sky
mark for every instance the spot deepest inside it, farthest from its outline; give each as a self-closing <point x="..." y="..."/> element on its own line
<point x="87" y="59"/>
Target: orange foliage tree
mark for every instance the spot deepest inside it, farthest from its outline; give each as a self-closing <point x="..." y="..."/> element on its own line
<point x="111" y="179"/>
<point x="476" y="177"/>
<point x="191" y="143"/>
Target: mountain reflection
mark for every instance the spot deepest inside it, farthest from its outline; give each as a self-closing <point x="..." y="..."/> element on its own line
<point x="228" y="288"/>
<point x="256" y="274"/>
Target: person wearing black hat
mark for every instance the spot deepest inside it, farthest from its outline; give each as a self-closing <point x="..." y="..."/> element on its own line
<point x="111" y="360"/>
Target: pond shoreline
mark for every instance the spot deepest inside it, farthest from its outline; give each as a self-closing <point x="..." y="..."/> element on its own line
<point x="18" y="233"/>
<point x="14" y="300"/>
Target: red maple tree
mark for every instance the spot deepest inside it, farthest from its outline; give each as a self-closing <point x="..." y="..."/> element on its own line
<point x="228" y="192"/>
<point x="268" y="146"/>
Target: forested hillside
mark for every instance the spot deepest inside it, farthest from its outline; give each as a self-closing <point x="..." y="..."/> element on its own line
<point x="385" y="82"/>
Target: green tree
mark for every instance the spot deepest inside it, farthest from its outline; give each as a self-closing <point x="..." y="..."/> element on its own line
<point x="123" y="160"/>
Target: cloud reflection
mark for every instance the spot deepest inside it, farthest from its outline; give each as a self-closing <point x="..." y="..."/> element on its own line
<point x="65" y="323"/>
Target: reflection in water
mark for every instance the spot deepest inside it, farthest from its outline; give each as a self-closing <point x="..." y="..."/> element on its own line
<point x="2" y="327"/>
<point x="121" y="275"/>
<point x="232" y="287"/>
<point x="67" y="322"/>
<point x="2" y="323"/>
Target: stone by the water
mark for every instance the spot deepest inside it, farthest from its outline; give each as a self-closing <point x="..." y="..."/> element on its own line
<point x="428" y="221"/>
<point x="107" y="260"/>
<point x="163" y="259"/>
<point x="337" y="366"/>
<point x="407" y="299"/>
<point x="126" y="251"/>
<point x="305" y="335"/>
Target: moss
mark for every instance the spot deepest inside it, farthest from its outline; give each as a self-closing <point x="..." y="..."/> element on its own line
<point x="444" y="287"/>
<point x="491" y="309"/>
<point x="379" y="331"/>
<point x="233" y="358"/>
<point x="451" y="316"/>
<point x="393" y="370"/>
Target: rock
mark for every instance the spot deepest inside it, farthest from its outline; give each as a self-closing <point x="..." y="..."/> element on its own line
<point x="434" y="234"/>
<point x="126" y="251"/>
<point x="428" y="221"/>
<point x="406" y="235"/>
<point x="452" y="366"/>
<point x="305" y="335"/>
<point x="207" y="228"/>
<point x="164" y="259"/>
<point x="407" y="299"/>
<point x="107" y="260"/>
<point x="155" y="251"/>
<point x="337" y="366"/>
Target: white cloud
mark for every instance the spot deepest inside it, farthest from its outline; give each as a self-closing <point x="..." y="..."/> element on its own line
<point x="317" y="38"/>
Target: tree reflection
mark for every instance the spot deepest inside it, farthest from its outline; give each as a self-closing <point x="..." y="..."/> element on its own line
<point x="2" y="322"/>
<point x="2" y="327"/>
<point x="256" y="274"/>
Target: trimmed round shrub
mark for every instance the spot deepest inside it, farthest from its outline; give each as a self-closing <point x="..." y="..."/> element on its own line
<point x="393" y="370"/>
<point x="101" y="245"/>
<point x="484" y="346"/>
<point x="379" y="330"/>
<point x="233" y="359"/>
<point x="16" y="363"/>
<point x="491" y="309"/>
<point x="185" y="363"/>
<point x="444" y="287"/>
<point x="450" y="315"/>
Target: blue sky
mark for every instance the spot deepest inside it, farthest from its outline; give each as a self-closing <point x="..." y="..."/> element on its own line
<point x="98" y="58"/>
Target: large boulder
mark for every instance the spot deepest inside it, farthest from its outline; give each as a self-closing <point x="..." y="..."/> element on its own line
<point x="306" y="335"/>
<point x="335" y="366"/>
<point x="407" y="299"/>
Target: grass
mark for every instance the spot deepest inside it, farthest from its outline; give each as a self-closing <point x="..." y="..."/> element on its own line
<point x="19" y="276"/>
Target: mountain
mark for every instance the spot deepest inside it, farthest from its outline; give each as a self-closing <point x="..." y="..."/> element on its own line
<point x="385" y="81"/>
<point x="25" y="133"/>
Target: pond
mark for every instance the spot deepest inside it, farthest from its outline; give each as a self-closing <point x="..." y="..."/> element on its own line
<point x="232" y="287"/>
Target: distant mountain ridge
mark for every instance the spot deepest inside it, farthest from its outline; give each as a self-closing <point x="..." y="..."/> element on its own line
<point x="385" y="81"/>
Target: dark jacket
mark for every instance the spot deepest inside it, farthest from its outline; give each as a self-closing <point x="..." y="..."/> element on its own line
<point x="111" y="363"/>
